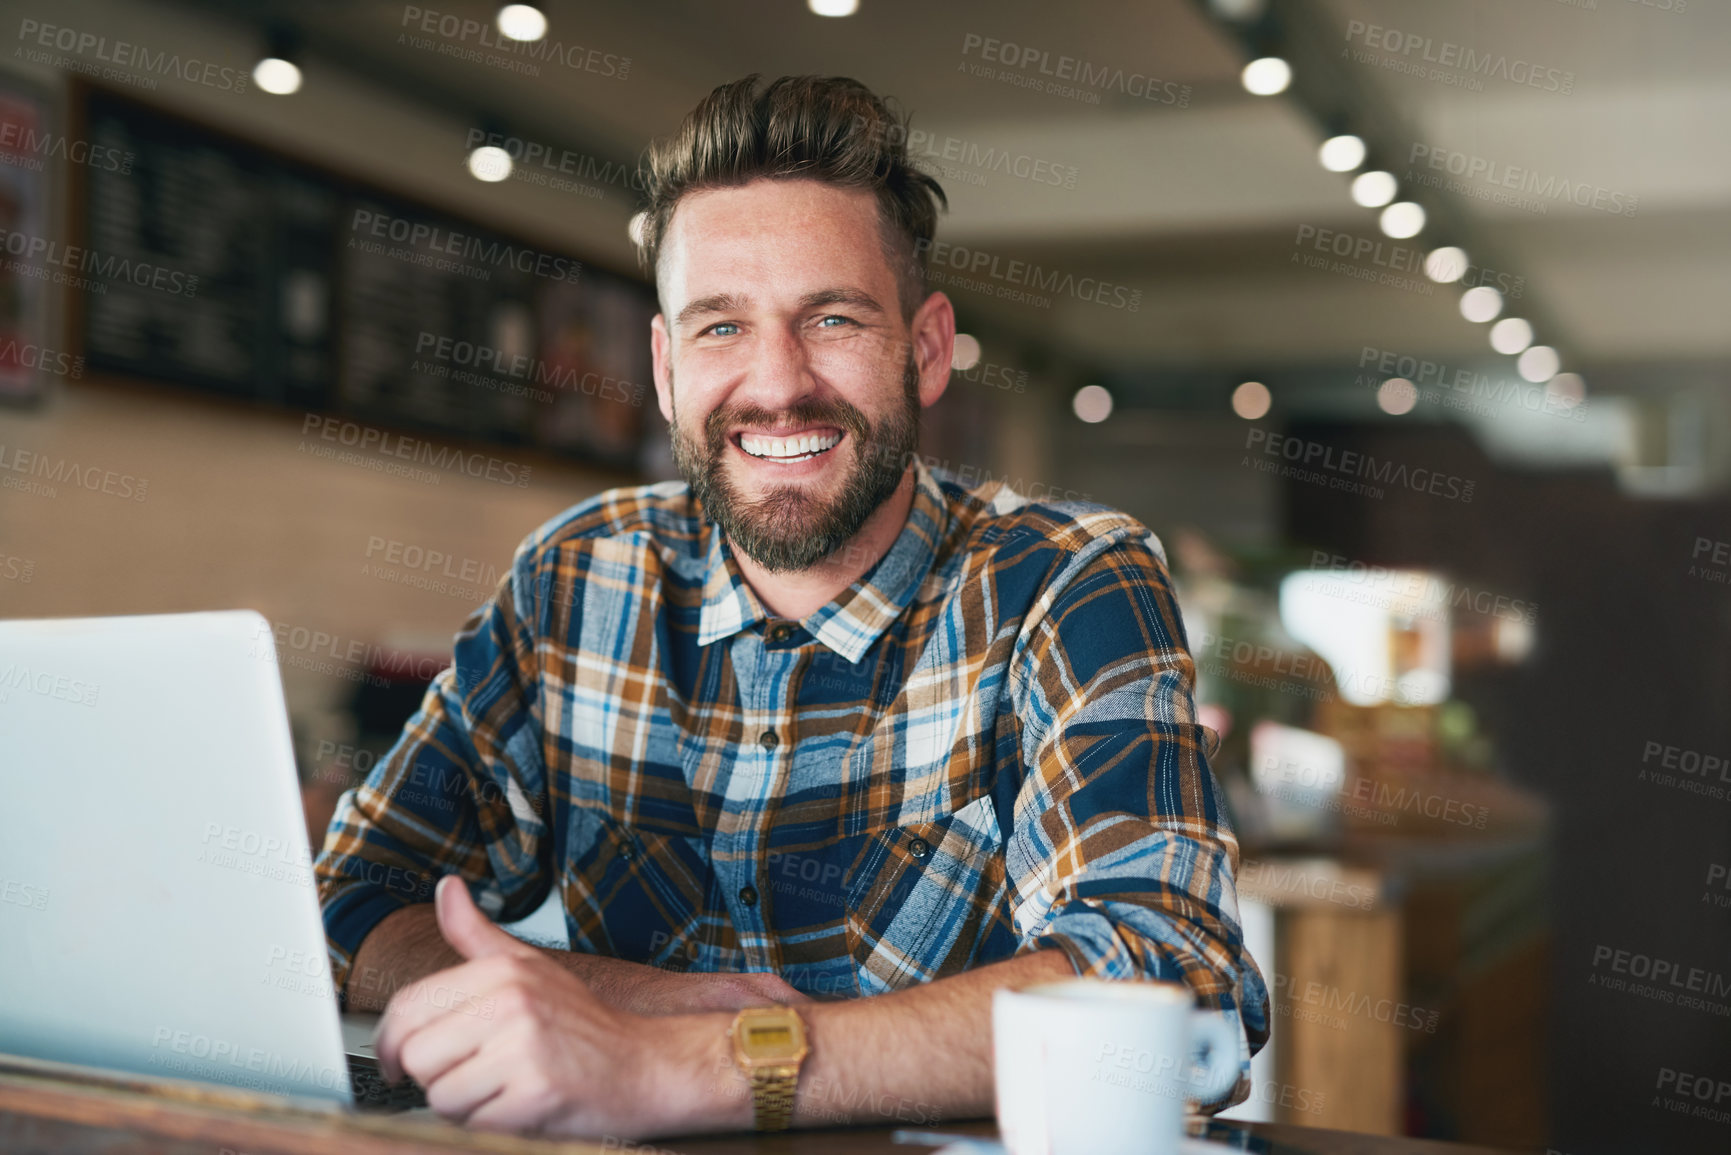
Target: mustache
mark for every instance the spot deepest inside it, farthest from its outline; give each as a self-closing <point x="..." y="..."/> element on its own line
<point x="833" y="411"/>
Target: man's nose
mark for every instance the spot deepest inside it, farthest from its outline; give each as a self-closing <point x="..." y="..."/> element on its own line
<point x="780" y="375"/>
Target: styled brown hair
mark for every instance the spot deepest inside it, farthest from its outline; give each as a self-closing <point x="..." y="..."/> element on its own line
<point x="825" y="128"/>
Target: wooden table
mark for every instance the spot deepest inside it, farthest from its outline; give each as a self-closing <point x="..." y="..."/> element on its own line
<point x="40" y="1113"/>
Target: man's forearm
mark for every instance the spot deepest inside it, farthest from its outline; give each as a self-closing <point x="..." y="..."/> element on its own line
<point x="406" y="945"/>
<point x="914" y="1056"/>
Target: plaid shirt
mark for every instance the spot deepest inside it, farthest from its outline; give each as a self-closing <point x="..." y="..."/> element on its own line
<point x="984" y="747"/>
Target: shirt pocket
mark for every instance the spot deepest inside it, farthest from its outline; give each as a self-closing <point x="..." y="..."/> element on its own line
<point x="633" y="891"/>
<point x="920" y="897"/>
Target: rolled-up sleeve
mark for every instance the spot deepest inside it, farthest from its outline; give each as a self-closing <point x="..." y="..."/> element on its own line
<point x="1121" y="852"/>
<point x="463" y="791"/>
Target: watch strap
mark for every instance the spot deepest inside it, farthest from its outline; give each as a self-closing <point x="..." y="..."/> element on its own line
<point x="772" y="1092"/>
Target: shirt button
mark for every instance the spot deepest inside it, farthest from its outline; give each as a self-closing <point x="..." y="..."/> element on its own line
<point x="626" y="851"/>
<point x="919" y="848"/>
<point x="780" y="632"/>
<point x="769" y="740"/>
<point x="748" y="895"/>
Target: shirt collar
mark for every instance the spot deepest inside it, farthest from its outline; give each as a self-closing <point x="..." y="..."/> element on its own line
<point x="728" y="603"/>
<point x="856" y="619"/>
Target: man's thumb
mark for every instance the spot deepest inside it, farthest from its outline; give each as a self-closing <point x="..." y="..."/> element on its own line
<point x="470" y="932"/>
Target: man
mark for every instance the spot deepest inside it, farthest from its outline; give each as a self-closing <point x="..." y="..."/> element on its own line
<point x="816" y="725"/>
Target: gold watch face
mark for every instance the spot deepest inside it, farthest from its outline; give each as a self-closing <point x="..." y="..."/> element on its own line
<point x="769" y="1035"/>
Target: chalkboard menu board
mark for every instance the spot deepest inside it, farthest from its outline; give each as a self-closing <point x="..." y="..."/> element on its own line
<point x="222" y="266"/>
<point x="445" y="327"/>
<point x="207" y="263"/>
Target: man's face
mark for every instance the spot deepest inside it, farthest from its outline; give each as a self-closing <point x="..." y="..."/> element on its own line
<point x="799" y="384"/>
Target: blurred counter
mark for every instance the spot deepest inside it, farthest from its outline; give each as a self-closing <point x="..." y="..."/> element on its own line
<point x="1410" y="978"/>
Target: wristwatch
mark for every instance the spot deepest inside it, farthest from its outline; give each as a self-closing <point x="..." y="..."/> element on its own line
<point x="768" y="1045"/>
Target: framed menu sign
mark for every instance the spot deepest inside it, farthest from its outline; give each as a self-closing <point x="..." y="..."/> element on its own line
<point x="223" y="266"/>
<point x="207" y="262"/>
<point x="450" y="328"/>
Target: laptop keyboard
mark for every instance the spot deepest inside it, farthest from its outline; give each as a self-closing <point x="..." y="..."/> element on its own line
<point x="372" y="1093"/>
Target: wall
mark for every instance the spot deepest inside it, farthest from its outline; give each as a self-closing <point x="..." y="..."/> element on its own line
<point x="237" y="511"/>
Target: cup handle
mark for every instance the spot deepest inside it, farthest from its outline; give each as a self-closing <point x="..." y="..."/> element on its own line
<point x="1212" y="1033"/>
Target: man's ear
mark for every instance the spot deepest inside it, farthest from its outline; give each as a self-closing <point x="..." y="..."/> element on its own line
<point x="661" y="354"/>
<point x="933" y="332"/>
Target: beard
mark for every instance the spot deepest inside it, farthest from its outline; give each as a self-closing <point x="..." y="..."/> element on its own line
<point x="787" y="529"/>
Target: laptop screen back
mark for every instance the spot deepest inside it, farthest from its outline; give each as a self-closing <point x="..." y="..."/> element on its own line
<point x="157" y="908"/>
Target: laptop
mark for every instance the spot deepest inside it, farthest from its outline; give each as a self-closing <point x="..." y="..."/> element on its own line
<point x="157" y="905"/>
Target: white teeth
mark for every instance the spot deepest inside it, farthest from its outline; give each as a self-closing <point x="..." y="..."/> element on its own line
<point x="786" y="448"/>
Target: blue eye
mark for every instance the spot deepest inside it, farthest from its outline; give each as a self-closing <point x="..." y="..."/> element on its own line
<point x="835" y="317"/>
<point x="719" y="325"/>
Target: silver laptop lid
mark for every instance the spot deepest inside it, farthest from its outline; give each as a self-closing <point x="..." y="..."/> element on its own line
<point x="157" y="908"/>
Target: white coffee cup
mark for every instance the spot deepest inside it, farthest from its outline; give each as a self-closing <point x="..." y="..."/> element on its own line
<point x="1090" y="1067"/>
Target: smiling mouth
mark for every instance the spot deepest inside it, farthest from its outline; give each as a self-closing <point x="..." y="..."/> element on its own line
<point x="803" y="447"/>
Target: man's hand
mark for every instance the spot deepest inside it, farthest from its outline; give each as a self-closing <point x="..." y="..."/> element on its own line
<point x="510" y="1040"/>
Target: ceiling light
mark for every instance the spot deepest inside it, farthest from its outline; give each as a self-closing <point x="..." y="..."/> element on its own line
<point x="1510" y="335"/>
<point x="1092" y="404"/>
<point x="1402" y="219"/>
<point x="1446" y="265"/>
<point x="1538" y="364"/>
<point x="1341" y="153"/>
<point x="1374" y="189"/>
<point x="1252" y="400"/>
<point x="521" y="22"/>
<point x="1396" y="396"/>
<point x="966" y="353"/>
<point x="277" y="76"/>
<point x="833" y="7"/>
<point x="278" y="70"/>
<point x="1566" y="390"/>
<point x="1267" y="76"/>
<point x="490" y="163"/>
<point x="1481" y="304"/>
